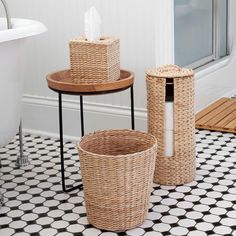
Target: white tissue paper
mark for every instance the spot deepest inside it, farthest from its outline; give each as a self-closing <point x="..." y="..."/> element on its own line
<point x="169" y="134"/>
<point x="92" y="22"/>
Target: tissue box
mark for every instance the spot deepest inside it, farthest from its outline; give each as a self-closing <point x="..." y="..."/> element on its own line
<point x="95" y="62"/>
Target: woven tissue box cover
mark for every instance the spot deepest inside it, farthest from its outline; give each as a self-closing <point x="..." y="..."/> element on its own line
<point x="95" y="62"/>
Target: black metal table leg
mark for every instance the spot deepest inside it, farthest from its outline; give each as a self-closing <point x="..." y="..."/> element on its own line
<point x="82" y="115"/>
<point x="132" y="106"/>
<point x="80" y="186"/>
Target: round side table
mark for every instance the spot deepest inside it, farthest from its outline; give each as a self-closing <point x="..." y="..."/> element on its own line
<point x="61" y="82"/>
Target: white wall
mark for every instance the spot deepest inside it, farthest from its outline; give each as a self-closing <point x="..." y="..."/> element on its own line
<point x="221" y="82"/>
<point x="132" y="21"/>
<point x="135" y="23"/>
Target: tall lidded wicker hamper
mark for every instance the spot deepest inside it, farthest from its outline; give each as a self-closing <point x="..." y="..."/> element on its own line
<point x="179" y="168"/>
<point x="117" y="168"/>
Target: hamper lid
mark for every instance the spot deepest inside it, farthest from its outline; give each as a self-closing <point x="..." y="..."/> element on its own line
<point x="169" y="71"/>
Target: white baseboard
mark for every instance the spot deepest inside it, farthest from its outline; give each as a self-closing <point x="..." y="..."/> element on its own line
<point x="231" y="93"/>
<point x="46" y="134"/>
<point x="40" y="116"/>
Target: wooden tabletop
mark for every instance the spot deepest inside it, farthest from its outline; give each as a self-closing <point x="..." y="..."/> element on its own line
<point x="61" y="81"/>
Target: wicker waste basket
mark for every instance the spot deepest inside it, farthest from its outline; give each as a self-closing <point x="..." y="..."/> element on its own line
<point x="179" y="168"/>
<point x="117" y="169"/>
<point x="95" y="62"/>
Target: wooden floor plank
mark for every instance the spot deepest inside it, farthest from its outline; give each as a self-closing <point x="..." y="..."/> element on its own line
<point x="215" y="112"/>
<point x="226" y="119"/>
<point x="222" y="115"/>
<point x="231" y="125"/>
<point x="219" y="116"/>
<point x="210" y="108"/>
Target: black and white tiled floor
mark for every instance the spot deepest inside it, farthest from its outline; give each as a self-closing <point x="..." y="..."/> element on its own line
<point x="35" y="205"/>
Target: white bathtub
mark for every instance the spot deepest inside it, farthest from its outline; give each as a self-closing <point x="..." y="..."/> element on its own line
<point x="12" y="43"/>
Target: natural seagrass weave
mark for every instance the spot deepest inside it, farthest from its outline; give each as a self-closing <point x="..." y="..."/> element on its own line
<point x="95" y="62"/>
<point x="180" y="168"/>
<point x="117" y="169"/>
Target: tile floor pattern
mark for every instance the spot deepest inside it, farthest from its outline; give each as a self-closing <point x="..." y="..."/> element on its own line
<point x="35" y="204"/>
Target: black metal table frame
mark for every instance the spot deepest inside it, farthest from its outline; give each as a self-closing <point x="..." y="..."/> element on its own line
<point x="80" y="186"/>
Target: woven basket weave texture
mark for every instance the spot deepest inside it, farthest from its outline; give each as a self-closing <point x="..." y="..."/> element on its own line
<point x="117" y="168"/>
<point x="95" y="62"/>
<point x="180" y="168"/>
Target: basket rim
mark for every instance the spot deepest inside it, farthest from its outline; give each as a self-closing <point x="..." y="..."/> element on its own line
<point x="153" y="145"/>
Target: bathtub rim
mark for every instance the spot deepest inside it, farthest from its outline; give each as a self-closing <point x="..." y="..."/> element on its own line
<point x="22" y="28"/>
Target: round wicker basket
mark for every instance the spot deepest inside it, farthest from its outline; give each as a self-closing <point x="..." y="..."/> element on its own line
<point x="117" y="169"/>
